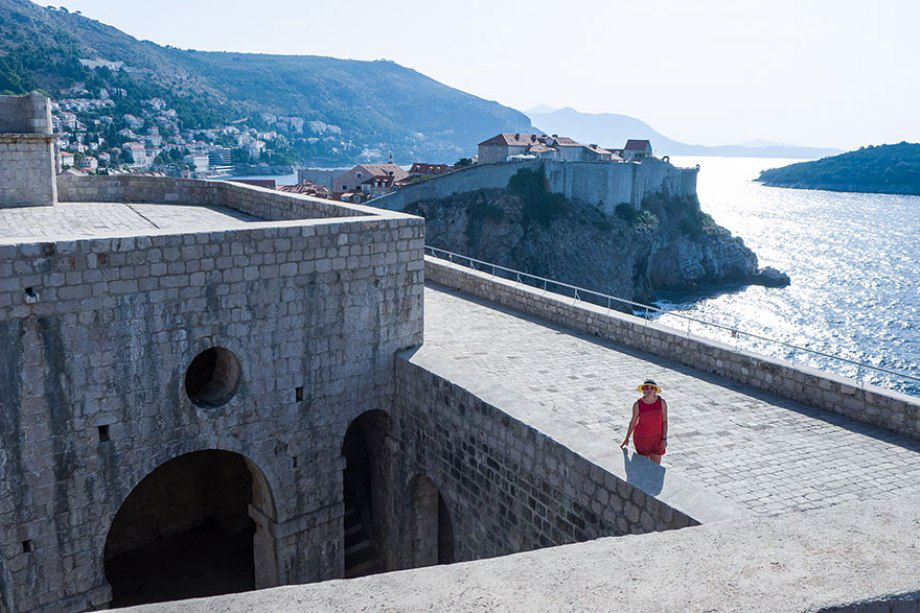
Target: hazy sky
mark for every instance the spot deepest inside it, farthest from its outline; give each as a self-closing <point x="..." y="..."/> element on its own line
<point x="838" y="73"/>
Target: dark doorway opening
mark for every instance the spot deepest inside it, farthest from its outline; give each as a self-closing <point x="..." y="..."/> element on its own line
<point x="432" y="538"/>
<point x="185" y="531"/>
<point x="366" y="494"/>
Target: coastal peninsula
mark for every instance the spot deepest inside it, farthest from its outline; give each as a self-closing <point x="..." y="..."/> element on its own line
<point x="885" y="169"/>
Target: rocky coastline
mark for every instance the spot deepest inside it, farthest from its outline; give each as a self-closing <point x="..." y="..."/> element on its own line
<point x="667" y="245"/>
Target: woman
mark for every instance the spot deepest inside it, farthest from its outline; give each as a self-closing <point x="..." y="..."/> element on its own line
<point x="649" y="423"/>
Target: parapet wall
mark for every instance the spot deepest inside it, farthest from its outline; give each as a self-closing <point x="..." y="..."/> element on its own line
<point x="884" y="408"/>
<point x="602" y="184"/>
<point x="26" y="152"/>
<point x="855" y="558"/>
<point x="472" y="178"/>
<point x="268" y="204"/>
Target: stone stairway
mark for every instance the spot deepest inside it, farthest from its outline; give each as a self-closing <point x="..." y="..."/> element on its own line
<point x="361" y="556"/>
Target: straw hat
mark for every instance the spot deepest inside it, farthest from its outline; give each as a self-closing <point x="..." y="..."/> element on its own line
<point x="649" y="382"/>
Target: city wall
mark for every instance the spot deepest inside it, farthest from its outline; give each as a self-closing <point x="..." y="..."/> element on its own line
<point x="98" y="337"/>
<point x="601" y="184"/>
<point x="884" y="408"/>
<point x="26" y="152"/>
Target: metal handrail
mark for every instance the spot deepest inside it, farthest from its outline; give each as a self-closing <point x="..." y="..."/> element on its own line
<point x="648" y="308"/>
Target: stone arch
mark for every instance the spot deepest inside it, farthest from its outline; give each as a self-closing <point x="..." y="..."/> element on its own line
<point x="431" y="529"/>
<point x="199" y="524"/>
<point x="367" y="494"/>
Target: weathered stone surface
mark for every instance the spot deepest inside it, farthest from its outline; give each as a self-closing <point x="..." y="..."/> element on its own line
<point x="99" y="333"/>
<point x="849" y="558"/>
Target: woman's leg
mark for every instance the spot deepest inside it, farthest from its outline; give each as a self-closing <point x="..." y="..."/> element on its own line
<point x="654" y="458"/>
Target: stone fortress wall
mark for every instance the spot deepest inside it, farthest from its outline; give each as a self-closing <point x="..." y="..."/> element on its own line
<point x="881" y="407"/>
<point x="98" y="339"/>
<point x="26" y="152"/>
<point x="602" y="184"/>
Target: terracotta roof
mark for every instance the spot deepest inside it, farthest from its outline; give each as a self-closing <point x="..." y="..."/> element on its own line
<point x="565" y="141"/>
<point x="383" y="170"/>
<point x="307" y="188"/>
<point x="513" y="140"/>
<point x="637" y="145"/>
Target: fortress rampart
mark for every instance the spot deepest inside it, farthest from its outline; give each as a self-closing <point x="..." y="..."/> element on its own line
<point x="601" y="184"/>
<point x="884" y="408"/>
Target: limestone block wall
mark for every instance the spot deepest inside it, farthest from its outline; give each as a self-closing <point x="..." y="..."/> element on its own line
<point x="26" y="152"/>
<point x="268" y="204"/>
<point x="884" y="408"/>
<point x="607" y="185"/>
<point x="507" y="486"/>
<point x="97" y="336"/>
<point x="601" y="184"/>
<point x="479" y="176"/>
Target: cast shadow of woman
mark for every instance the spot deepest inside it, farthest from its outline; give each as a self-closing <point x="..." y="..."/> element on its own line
<point x="643" y="473"/>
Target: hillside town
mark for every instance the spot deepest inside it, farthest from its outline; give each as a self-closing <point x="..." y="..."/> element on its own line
<point x="92" y="138"/>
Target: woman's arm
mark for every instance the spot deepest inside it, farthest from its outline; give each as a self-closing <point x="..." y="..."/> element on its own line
<point x="632" y="424"/>
<point x="664" y="423"/>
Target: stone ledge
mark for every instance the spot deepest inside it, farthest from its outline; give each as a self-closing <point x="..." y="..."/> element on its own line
<point x="851" y="557"/>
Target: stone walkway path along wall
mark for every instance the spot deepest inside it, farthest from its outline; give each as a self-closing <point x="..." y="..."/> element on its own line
<point x="768" y="454"/>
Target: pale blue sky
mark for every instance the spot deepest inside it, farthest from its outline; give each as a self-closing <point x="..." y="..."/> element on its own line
<point x="813" y="72"/>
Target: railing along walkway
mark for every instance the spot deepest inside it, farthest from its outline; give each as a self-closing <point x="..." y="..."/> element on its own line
<point x="731" y="335"/>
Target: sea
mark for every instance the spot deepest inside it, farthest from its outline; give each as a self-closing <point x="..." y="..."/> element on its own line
<point x="854" y="261"/>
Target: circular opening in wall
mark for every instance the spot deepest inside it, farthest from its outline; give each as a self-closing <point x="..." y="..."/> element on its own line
<point x="213" y="377"/>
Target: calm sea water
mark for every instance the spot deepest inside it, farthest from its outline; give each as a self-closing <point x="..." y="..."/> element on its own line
<point x="853" y="260"/>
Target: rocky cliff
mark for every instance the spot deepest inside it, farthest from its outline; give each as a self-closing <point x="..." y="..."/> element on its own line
<point x="669" y="244"/>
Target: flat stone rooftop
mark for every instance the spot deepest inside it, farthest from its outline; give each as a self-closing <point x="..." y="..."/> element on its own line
<point x="74" y="220"/>
<point x="765" y="454"/>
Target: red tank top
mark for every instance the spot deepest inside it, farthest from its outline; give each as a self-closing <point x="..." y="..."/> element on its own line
<point x="649" y="418"/>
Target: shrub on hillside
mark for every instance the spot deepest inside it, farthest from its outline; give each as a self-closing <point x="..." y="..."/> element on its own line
<point x="540" y="205"/>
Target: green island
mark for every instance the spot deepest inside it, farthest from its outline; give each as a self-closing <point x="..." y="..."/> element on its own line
<point x="884" y="169"/>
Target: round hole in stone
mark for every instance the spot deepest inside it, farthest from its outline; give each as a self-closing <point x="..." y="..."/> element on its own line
<point x="213" y="377"/>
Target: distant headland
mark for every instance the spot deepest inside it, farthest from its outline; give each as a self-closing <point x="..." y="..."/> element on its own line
<point x="885" y="169"/>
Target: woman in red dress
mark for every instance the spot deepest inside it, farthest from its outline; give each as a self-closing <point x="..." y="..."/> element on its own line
<point x="649" y="423"/>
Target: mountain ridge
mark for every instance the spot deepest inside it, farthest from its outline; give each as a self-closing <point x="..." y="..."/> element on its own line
<point x="379" y="106"/>
<point x="612" y="130"/>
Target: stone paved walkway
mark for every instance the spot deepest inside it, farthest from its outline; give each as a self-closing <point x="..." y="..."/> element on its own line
<point x="91" y="219"/>
<point x="766" y="453"/>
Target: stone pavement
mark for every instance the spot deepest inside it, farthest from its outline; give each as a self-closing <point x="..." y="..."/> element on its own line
<point x="766" y="453"/>
<point x="92" y="219"/>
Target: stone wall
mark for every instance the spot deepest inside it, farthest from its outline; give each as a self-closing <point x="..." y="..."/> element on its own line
<point x="606" y="185"/>
<point x="884" y="408"/>
<point x="507" y="486"/>
<point x="602" y="184"/>
<point x="26" y="152"/>
<point x="268" y="204"/>
<point x="97" y="336"/>
<point x="471" y="178"/>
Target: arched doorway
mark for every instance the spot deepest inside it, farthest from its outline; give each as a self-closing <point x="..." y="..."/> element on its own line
<point x="193" y="527"/>
<point x="367" y="494"/>
<point x="432" y="531"/>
